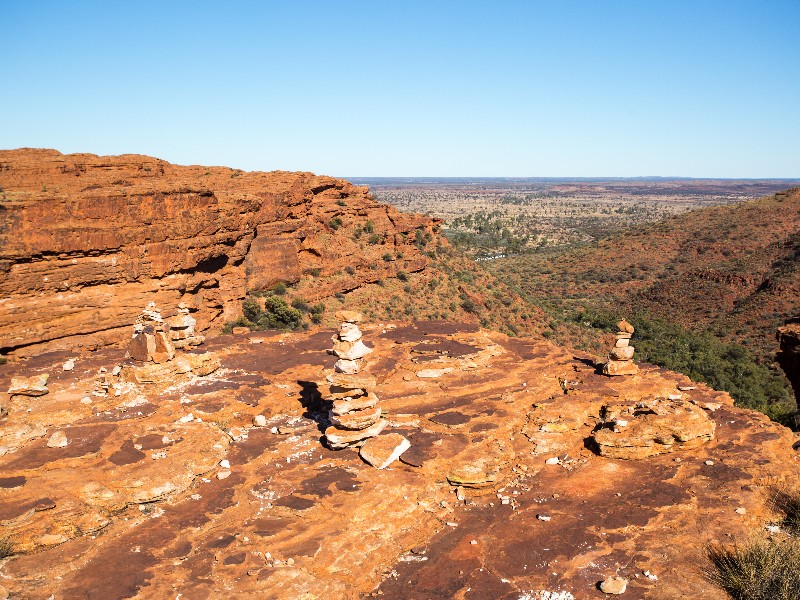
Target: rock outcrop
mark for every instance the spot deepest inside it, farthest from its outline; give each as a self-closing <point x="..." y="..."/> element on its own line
<point x="789" y="354"/>
<point x="99" y="237"/>
<point x="218" y="486"/>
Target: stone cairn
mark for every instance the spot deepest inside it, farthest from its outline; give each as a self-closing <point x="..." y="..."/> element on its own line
<point x="181" y="329"/>
<point x="620" y="359"/>
<point x="355" y="414"/>
<point x="150" y="341"/>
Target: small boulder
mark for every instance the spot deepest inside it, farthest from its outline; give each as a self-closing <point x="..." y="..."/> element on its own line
<point x="340" y="438"/>
<point x="625" y="327"/>
<point x="36" y="385"/>
<point x="260" y="421"/>
<point x="383" y="450"/>
<point x="58" y="440"/>
<point x="614" y="585"/>
<point x="349" y="316"/>
<point x="69" y="365"/>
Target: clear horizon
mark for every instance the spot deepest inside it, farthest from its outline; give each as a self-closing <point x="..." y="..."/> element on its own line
<point x="586" y="90"/>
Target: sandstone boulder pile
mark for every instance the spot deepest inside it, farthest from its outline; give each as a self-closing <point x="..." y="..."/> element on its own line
<point x="355" y="414"/>
<point x="650" y="427"/>
<point x="620" y="359"/>
<point x="150" y="341"/>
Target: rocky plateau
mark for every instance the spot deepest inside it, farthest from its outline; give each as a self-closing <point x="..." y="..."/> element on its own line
<point x="528" y="470"/>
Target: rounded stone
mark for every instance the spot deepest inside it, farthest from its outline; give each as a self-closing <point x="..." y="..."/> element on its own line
<point x="614" y="585"/>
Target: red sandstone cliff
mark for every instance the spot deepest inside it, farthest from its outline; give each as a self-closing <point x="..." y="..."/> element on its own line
<point x="86" y="241"/>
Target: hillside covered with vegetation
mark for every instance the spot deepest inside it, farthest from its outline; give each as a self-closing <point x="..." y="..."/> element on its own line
<point x="706" y="290"/>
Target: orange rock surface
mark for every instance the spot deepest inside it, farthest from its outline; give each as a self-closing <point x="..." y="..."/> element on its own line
<point x="142" y="489"/>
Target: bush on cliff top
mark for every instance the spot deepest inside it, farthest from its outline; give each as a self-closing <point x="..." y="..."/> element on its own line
<point x="757" y="570"/>
<point x="277" y="314"/>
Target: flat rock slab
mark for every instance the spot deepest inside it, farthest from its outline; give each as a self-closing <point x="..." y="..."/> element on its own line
<point x="149" y="506"/>
<point x="383" y="450"/>
<point x="660" y="427"/>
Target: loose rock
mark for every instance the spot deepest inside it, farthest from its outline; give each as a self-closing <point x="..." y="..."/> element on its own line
<point x="382" y="451"/>
<point x="35" y="385"/>
<point x="58" y="440"/>
<point x="614" y="585"/>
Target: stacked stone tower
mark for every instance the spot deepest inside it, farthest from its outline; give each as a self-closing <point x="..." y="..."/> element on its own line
<point x="620" y="359"/>
<point x="181" y="329"/>
<point x="150" y="341"/>
<point x="355" y="414"/>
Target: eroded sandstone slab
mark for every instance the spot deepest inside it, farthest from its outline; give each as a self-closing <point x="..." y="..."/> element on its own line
<point x="292" y="518"/>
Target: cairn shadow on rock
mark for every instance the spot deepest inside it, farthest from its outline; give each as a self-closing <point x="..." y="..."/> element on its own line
<point x="311" y="401"/>
<point x="590" y="362"/>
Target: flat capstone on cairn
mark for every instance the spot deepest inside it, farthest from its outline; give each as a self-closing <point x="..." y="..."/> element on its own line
<point x="620" y="359"/>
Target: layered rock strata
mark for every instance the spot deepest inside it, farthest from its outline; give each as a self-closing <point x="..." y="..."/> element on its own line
<point x="290" y="518"/>
<point x="355" y="415"/>
<point x="100" y="236"/>
<point x="620" y="359"/>
<point x="635" y="430"/>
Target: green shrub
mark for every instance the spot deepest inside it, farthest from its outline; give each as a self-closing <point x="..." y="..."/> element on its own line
<point x="387" y="257"/>
<point x="341" y="203"/>
<point x="251" y="309"/>
<point x="369" y="227"/>
<point x="787" y="503"/>
<point x="468" y="305"/>
<point x="758" y="570"/>
<point x="349" y="270"/>
<point x="279" y="315"/>
<point x="375" y="238"/>
<point x="6" y="547"/>
<point x="402" y="276"/>
<point x="3" y="360"/>
<point x="316" y="312"/>
<point x="300" y="304"/>
<point x="279" y="288"/>
<point x="335" y="223"/>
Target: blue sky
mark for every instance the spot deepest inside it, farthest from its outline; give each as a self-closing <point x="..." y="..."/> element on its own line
<point x="379" y="88"/>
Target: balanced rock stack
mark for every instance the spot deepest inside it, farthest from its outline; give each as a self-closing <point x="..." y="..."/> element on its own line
<point x="181" y="329"/>
<point x="620" y="359"/>
<point x="150" y="341"/>
<point x="355" y="415"/>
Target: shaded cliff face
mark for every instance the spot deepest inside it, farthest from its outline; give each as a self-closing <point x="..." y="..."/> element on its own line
<point x="789" y="354"/>
<point x="86" y="241"/>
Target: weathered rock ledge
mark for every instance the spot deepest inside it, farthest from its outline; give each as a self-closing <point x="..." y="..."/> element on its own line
<point x="214" y="484"/>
